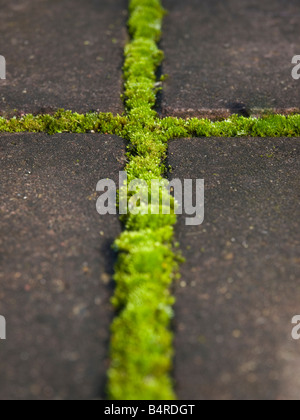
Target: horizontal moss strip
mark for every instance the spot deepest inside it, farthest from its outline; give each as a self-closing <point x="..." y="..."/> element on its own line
<point x="65" y="122"/>
<point x="153" y="129"/>
<point x="235" y="126"/>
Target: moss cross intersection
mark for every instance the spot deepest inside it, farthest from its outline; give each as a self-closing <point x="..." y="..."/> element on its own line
<point x="141" y="339"/>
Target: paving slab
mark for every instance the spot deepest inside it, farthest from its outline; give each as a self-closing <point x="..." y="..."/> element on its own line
<point x="230" y="57"/>
<point x="240" y="284"/>
<point x="56" y="264"/>
<point x="62" y="54"/>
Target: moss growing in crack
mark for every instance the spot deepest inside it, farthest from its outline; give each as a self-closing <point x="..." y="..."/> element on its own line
<point x="141" y="343"/>
<point x="235" y="126"/>
<point x="141" y="347"/>
<point x="65" y="122"/>
<point x="147" y="133"/>
<point x="142" y="58"/>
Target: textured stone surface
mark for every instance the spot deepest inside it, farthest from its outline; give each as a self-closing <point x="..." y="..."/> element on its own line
<point x="62" y="54"/>
<point x="241" y="280"/>
<point x="230" y="57"/>
<point x="56" y="264"/>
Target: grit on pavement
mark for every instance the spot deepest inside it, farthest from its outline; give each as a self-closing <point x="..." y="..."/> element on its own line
<point x="56" y="264"/>
<point x="240" y="284"/>
<point x="225" y="57"/>
<point x="62" y="54"/>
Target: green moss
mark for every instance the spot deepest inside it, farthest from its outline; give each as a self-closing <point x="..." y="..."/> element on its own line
<point x="65" y="122"/>
<point x="147" y="133"/>
<point x="141" y="342"/>
<point x="235" y="126"/>
<point x="269" y="126"/>
<point x="141" y="339"/>
<point x="141" y="348"/>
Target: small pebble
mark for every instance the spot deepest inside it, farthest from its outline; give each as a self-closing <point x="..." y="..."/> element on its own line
<point x="236" y="333"/>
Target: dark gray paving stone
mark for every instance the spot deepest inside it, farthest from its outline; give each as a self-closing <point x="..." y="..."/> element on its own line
<point x="56" y="264"/>
<point x="62" y="54"/>
<point x="242" y="273"/>
<point x="230" y="57"/>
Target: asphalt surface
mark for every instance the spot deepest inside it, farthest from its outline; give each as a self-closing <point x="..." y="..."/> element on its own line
<point x="240" y="284"/>
<point x="230" y="57"/>
<point x="62" y="54"/>
<point x="56" y="264"/>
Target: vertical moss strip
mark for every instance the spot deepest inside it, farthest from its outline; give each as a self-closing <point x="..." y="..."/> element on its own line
<point x="141" y="342"/>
